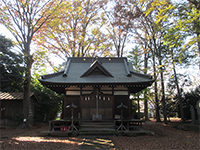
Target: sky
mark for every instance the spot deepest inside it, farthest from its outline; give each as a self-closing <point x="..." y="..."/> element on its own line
<point x="5" y="32"/>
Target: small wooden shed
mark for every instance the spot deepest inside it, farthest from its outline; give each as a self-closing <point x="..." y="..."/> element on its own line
<point x="97" y="86"/>
<point x="11" y="106"/>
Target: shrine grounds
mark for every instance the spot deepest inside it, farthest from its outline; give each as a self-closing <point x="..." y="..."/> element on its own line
<point x="171" y="136"/>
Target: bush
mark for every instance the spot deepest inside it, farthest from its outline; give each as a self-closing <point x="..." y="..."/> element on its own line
<point x="190" y="98"/>
<point x="48" y="105"/>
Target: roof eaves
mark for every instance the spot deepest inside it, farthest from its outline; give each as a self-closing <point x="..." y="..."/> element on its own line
<point x="143" y="75"/>
<point x="52" y="75"/>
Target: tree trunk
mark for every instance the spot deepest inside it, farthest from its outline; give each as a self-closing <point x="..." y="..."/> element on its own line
<point x="26" y="100"/>
<point x="198" y="43"/>
<point x="156" y="91"/>
<point x="27" y="83"/>
<point x="162" y="87"/>
<point x="146" y="107"/>
<point x="145" y="93"/>
<point x="163" y="91"/>
<point x="198" y="33"/>
<point x="179" y="94"/>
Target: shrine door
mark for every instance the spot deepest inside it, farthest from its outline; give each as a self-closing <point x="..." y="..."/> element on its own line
<point x="92" y="105"/>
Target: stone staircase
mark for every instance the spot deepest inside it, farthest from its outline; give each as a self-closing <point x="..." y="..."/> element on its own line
<point x="97" y="128"/>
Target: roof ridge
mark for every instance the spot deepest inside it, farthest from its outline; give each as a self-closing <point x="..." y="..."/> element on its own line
<point x="93" y="66"/>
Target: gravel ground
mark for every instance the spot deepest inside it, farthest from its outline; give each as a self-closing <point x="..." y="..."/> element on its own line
<point x="166" y="137"/>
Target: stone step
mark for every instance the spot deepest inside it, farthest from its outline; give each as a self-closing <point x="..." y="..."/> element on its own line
<point x="103" y="123"/>
<point x="108" y="133"/>
<point x="97" y="122"/>
<point x="97" y="131"/>
<point x="97" y="127"/>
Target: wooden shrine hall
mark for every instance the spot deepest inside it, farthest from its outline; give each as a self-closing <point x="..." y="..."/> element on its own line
<point x="97" y="86"/>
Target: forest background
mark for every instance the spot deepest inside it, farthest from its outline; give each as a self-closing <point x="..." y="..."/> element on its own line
<point x="160" y="38"/>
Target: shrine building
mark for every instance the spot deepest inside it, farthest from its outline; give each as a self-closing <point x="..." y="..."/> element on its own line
<point x="97" y="86"/>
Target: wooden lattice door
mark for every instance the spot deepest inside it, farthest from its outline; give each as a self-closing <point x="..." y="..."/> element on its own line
<point x="93" y="104"/>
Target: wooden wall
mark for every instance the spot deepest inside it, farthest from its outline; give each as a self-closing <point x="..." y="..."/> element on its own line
<point x="10" y="109"/>
<point x="125" y="100"/>
<point x="68" y="100"/>
<point x="88" y="107"/>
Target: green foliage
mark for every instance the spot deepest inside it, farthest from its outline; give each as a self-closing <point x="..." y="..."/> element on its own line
<point x="75" y="30"/>
<point x="172" y="107"/>
<point x="134" y="108"/>
<point x="190" y="98"/>
<point x="11" y="67"/>
<point x="184" y="82"/>
<point x="12" y="70"/>
<point x="135" y="57"/>
<point x="49" y="103"/>
<point x="23" y="18"/>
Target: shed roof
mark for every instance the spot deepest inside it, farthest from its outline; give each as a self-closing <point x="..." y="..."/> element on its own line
<point x="13" y="95"/>
<point x="96" y="71"/>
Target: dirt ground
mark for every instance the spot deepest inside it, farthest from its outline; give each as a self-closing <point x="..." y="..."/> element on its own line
<point x="166" y="137"/>
<point x="170" y="136"/>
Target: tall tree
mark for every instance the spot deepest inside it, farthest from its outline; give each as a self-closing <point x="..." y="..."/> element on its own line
<point x="162" y="21"/>
<point x="175" y="35"/>
<point x="149" y="33"/>
<point x="140" y="34"/>
<point x="135" y="58"/>
<point x="75" y="30"/>
<point x="174" y="42"/>
<point x="23" y="19"/>
<point x="189" y="23"/>
<point x="162" y="68"/>
<point x="120" y="20"/>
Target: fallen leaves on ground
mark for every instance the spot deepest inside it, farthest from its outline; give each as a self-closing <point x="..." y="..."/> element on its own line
<point x="166" y="137"/>
<point x="13" y="139"/>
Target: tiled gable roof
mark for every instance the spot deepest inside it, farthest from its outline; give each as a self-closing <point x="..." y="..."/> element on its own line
<point x="12" y="95"/>
<point x="82" y="71"/>
<point x="111" y="70"/>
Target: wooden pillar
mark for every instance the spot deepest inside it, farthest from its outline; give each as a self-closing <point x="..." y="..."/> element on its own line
<point x="130" y="109"/>
<point x="130" y="106"/>
<point x="138" y="100"/>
